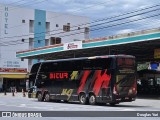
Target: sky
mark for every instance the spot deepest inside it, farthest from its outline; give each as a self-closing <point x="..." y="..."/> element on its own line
<point x="107" y="17"/>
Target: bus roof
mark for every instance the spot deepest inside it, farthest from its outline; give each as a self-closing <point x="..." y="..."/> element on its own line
<point x="85" y="58"/>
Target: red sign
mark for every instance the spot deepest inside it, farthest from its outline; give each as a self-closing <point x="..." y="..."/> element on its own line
<point x="20" y="70"/>
<point x="73" y="45"/>
<point x="63" y="75"/>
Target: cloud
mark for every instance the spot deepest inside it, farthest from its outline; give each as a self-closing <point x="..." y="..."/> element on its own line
<point x="98" y="9"/>
<point x="124" y="31"/>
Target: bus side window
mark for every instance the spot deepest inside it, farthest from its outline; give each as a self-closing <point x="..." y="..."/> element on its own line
<point x="77" y="65"/>
<point x="66" y="66"/>
<point x="88" y="64"/>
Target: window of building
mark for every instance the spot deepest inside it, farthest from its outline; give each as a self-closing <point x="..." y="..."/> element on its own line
<point x="31" y="26"/>
<point x="57" y="25"/>
<point x="31" y="43"/>
<point x="46" y="42"/>
<point x="86" y="30"/>
<point x="22" y="40"/>
<point x="39" y="41"/>
<point x="55" y="40"/>
<point x="23" y="21"/>
<point x="66" y="28"/>
<point x="22" y="59"/>
<point x="79" y="28"/>
<point x="39" y="23"/>
<point x="47" y="27"/>
<point x="86" y="33"/>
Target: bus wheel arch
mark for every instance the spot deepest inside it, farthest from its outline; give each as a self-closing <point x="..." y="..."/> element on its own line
<point x="83" y="98"/>
<point x="92" y="98"/>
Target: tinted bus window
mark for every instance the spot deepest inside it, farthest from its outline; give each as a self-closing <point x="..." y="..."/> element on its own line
<point x="88" y="64"/>
<point x="104" y="63"/>
<point x="35" y="68"/>
<point x="125" y="62"/>
<point x="50" y="67"/>
<point x="98" y="64"/>
<point x="126" y="65"/>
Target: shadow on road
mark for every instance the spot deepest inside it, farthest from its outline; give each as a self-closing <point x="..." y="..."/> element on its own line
<point x="99" y="104"/>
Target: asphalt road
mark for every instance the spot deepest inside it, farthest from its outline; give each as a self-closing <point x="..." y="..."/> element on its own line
<point x="21" y="104"/>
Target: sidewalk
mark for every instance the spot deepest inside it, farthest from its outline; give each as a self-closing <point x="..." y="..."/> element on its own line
<point x="9" y="94"/>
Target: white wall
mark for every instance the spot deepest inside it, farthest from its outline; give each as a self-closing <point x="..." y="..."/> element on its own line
<point x="12" y="29"/>
<point x="12" y="32"/>
<point x="63" y="19"/>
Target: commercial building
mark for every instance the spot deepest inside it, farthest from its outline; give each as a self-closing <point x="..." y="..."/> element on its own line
<point x="144" y="45"/>
<point x="23" y="29"/>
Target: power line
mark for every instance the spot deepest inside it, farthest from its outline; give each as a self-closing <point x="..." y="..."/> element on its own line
<point x="99" y="20"/>
<point x="78" y="32"/>
<point x="62" y="14"/>
<point x="113" y="25"/>
<point x="95" y="20"/>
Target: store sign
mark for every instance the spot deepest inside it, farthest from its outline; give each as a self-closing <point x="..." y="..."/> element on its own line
<point x="73" y="45"/>
<point x="11" y="63"/>
<point x="6" y="20"/>
<point x="19" y="70"/>
<point x="156" y="53"/>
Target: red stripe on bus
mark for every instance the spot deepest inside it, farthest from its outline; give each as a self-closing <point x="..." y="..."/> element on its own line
<point x="83" y="81"/>
<point x="101" y="81"/>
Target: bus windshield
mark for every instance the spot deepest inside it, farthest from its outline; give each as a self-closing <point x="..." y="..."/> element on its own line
<point x="126" y="69"/>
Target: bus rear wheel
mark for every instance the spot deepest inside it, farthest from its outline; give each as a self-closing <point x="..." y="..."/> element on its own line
<point x="92" y="100"/>
<point x="47" y="97"/>
<point x="40" y="97"/>
<point x="83" y="99"/>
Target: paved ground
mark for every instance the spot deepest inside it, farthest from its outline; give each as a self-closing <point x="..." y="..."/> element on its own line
<point x="9" y="94"/>
<point x="20" y="103"/>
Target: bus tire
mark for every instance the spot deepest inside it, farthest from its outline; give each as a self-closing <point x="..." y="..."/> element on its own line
<point x="47" y="97"/>
<point x="112" y="104"/>
<point x="92" y="99"/>
<point x="40" y="97"/>
<point x="83" y="99"/>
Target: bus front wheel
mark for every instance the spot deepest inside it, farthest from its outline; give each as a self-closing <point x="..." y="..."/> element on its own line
<point x="83" y="99"/>
<point x="92" y="100"/>
<point x="40" y="97"/>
